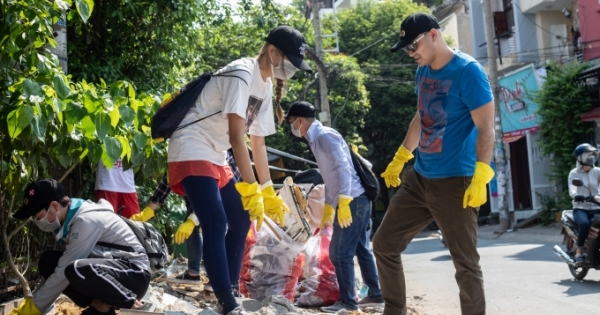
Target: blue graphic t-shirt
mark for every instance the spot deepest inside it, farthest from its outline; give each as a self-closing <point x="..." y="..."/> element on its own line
<point x="445" y="99"/>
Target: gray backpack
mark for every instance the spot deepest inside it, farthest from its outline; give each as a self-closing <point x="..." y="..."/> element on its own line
<point x="152" y="240"/>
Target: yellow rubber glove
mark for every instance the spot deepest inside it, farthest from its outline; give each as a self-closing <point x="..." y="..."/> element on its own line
<point x="328" y="213"/>
<point x="274" y="205"/>
<point x="143" y="216"/>
<point x="252" y="200"/>
<point x="184" y="231"/>
<point x="476" y="193"/>
<point x="344" y="216"/>
<point x="391" y="176"/>
<point x="26" y="308"/>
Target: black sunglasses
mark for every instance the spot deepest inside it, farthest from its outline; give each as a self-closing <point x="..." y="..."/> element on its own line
<point x="412" y="47"/>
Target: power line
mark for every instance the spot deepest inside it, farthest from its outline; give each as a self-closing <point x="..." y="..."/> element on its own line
<point x="371" y="45"/>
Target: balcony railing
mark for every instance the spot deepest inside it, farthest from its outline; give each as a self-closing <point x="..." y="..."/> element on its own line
<point x="508" y="46"/>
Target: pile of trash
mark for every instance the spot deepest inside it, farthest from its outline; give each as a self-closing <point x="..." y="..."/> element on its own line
<point x="286" y="269"/>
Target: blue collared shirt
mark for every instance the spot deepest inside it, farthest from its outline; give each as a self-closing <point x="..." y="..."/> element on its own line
<point x="335" y="163"/>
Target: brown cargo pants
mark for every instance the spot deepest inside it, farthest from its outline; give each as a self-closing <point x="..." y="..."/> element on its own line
<point x="418" y="201"/>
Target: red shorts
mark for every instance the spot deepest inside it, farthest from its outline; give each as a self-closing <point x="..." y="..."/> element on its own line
<point x="129" y="201"/>
<point x="178" y="171"/>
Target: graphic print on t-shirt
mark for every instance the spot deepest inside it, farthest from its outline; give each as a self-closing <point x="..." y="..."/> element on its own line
<point x="432" y="103"/>
<point x="254" y="105"/>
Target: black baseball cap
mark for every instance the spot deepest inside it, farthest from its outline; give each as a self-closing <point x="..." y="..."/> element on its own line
<point x="413" y="26"/>
<point x="292" y="43"/>
<point x="301" y="109"/>
<point x="38" y="195"/>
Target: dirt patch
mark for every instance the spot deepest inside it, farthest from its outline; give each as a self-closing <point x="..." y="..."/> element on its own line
<point x="64" y="306"/>
<point x="376" y="311"/>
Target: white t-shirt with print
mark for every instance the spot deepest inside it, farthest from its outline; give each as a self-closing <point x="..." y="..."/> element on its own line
<point x="115" y="179"/>
<point x="250" y="98"/>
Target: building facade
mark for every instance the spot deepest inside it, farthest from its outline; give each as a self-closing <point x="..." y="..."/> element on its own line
<point x="588" y="15"/>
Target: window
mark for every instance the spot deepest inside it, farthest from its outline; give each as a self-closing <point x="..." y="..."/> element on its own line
<point x="504" y="21"/>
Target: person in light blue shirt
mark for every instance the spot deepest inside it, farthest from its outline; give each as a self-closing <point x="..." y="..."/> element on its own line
<point x="343" y="190"/>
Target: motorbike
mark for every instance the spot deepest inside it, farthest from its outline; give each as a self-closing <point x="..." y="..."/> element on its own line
<point x="592" y="244"/>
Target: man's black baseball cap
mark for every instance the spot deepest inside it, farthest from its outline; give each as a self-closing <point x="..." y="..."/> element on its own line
<point x="292" y="43"/>
<point x="413" y="26"/>
<point x="37" y="196"/>
<point x="301" y="109"/>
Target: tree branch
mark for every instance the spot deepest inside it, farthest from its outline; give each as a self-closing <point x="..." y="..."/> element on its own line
<point x="67" y="172"/>
<point x="312" y="56"/>
<point x="18" y="228"/>
<point x="9" y="257"/>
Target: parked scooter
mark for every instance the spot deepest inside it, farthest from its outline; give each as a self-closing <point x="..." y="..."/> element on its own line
<point x="592" y="244"/>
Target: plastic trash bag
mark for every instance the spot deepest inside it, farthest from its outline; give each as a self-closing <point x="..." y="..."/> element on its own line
<point x="320" y="285"/>
<point x="272" y="263"/>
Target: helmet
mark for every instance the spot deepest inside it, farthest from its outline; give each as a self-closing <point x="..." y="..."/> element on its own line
<point x="586" y="154"/>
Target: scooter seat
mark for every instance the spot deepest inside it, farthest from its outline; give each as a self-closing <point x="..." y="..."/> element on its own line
<point x="567" y="218"/>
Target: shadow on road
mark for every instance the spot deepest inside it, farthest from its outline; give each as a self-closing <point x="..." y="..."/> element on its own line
<point x="543" y="252"/>
<point x="532" y="251"/>
<point x="576" y="287"/>
<point x="442" y="258"/>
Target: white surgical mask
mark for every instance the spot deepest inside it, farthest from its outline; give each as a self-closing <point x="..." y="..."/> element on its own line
<point x="296" y="132"/>
<point x="46" y="225"/>
<point x="278" y="71"/>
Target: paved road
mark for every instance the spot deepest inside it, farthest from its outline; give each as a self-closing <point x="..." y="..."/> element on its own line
<point x="521" y="277"/>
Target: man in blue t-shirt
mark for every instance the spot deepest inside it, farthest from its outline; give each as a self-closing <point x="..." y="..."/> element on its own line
<point x="453" y="134"/>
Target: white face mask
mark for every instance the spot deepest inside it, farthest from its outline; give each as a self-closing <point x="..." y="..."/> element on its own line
<point x="296" y="132"/>
<point x="46" y="225"/>
<point x="278" y="71"/>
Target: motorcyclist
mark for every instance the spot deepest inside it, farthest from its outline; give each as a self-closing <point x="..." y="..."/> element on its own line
<point x="583" y="212"/>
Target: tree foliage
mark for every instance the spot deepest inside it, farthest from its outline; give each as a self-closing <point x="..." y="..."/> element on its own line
<point x="122" y="56"/>
<point x="348" y="99"/>
<point x="366" y="32"/>
<point x="562" y="99"/>
<point x="49" y="123"/>
<point x="139" y="41"/>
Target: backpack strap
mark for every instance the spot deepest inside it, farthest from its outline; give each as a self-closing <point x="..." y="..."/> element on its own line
<point x="128" y="249"/>
<point x="215" y="75"/>
<point x="124" y="248"/>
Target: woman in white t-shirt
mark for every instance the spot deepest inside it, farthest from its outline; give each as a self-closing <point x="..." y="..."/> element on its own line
<point x="234" y="104"/>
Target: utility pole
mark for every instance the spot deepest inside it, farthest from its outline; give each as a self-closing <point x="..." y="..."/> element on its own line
<point x="60" y="34"/>
<point x="499" y="157"/>
<point x="324" y="115"/>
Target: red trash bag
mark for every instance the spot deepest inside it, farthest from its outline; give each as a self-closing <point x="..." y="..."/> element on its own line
<point x="320" y="286"/>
